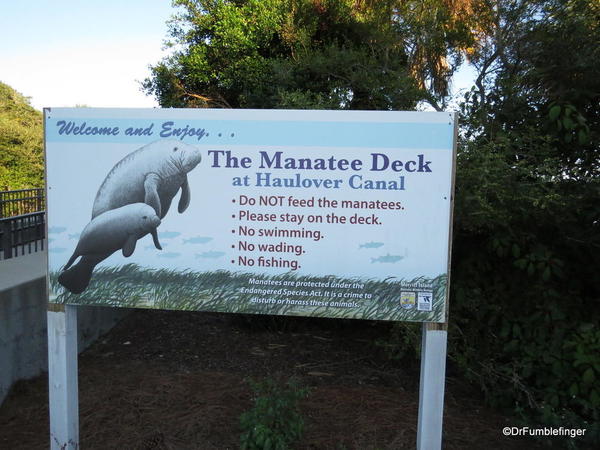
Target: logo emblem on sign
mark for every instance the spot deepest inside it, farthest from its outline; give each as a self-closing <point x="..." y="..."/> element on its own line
<point x="407" y="300"/>
<point x="425" y="301"/>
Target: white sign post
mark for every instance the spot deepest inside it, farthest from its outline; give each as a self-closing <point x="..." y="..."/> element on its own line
<point x="62" y="377"/>
<point x="431" y="386"/>
<point x="339" y="214"/>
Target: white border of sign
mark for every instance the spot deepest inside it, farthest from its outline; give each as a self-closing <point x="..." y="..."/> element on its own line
<point x="63" y="367"/>
<point x="302" y="215"/>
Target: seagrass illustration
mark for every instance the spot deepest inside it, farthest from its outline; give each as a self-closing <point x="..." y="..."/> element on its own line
<point x="132" y="286"/>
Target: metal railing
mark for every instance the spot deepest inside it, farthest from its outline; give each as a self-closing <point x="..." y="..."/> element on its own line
<point x="22" y="234"/>
<point x="20" y="202"/>
<point x="22" y="222"/>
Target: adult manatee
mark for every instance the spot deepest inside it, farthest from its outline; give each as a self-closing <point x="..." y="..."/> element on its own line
<point x="152" y="174"/>
<point x="117" y="229"/>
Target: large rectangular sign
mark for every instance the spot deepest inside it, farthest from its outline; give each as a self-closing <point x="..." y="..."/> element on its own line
<point x="311" y="213"/>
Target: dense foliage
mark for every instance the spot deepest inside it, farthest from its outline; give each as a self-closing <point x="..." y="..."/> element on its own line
<point x="338" y="54"/>
<point x="21" y="142"/>
<point x="524" y="300"/>
<point x="526" y="247"/>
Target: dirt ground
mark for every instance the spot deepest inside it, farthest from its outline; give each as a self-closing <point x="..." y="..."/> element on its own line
<point x="179" y="380"/>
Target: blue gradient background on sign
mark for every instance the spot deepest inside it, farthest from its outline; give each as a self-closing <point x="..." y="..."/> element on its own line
<point x="273" y="133"/>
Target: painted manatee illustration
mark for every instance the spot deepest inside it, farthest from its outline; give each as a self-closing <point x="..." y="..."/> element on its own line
<point x="152" y="174"/>
<point x="111" y="231"/>
<point x="130" y="203"/>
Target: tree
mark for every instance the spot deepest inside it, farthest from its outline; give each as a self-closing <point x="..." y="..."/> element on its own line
<point x="438" y="36"/>
<point x="530" y="75"/>
<point x="337" y="54"/>
<point x="527" y="231"/>
<point x="261" y="54"/>
<point x="21" y="142"/>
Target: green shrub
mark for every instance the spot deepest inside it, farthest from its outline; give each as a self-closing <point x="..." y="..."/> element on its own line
<point x="274" y="422"/>
<point x="522" y="327"/>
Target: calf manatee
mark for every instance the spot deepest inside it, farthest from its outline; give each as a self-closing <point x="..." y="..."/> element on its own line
<point x="152" y="174"/>
<point x="117" y="229"/>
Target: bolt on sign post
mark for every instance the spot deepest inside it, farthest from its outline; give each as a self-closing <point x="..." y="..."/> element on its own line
<point x="340" y="214"/>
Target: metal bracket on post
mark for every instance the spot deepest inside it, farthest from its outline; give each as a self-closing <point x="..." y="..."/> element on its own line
<point x="62" y="377"/>
<point x="431" y="390"/>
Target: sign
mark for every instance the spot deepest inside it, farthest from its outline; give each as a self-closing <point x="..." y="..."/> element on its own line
<point x="340" y="214"/>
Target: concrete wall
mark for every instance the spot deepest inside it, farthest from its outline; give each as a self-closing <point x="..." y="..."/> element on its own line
<point x="23" y="338"/>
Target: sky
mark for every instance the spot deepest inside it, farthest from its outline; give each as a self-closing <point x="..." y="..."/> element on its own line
<point x="82" y="52"/>
<point x="63" y="53"/>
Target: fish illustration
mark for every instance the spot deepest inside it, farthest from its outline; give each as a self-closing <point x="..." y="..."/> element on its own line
<point x="74" y="235"/>
<point x="371" y="245"/>
<point x="387" y="259"/>
<point x="56" y="230"/>
<point x="198" y="240"/>
<point x="168" y="234"/>
<point x="169" y="255"/>
<point x="211" y="255"/>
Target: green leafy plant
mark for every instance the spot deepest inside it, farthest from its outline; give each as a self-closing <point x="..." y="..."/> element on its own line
<point x="274" y="422"/>
<point x="21" y="142"/>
